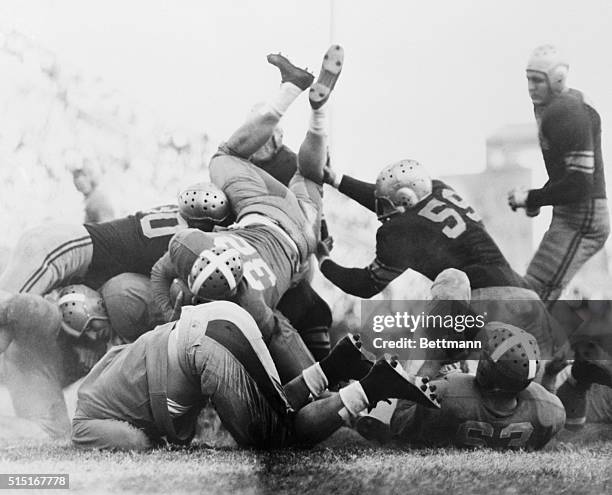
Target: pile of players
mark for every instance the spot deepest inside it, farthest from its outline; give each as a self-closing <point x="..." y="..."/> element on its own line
<point x="209" y="300"/>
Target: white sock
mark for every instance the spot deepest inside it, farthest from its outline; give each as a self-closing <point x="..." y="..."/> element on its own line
<point x="286" y="95"/>
<point x="315" y="379"/>
<point x="345" y="416"/>
<point x="354" y="398"/>
<point x="318" y="121"/>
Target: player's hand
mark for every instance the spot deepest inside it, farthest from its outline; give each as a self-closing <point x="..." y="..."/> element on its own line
<point x="178" y="305"/>
<point x="179" y="291"/>
<point x="329" y="176"/>
<point x="532" y="212"/>
<point x="517" y="198"/>
<point x="324" y="248"/>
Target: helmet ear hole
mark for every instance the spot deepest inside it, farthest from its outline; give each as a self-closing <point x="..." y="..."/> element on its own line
<point x="402" y="185"/>
<point x="406" y="197"/>
<point x="548" y="60"/>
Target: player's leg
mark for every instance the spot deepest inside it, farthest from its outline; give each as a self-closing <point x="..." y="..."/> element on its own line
<point x="310" y="315"/>
<point x="45" y="256"/>
<point x="386" y="380"/>
<point x="33" y="365"/>
<point x="112" y="434"/>
<point x="345" y="362"/>
<point x="575" y="234"/>
<point x="312" y="155"/>
<point x="28" y="317"/>
<point x="287" y="349"/>
<point x="260" y="125"/>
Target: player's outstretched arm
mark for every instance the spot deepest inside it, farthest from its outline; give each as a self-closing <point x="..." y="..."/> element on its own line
<point x="354" y="281"/>
<point x="362" y="192"/>
<point x="162" y="275"/>
<point x="360" y="282"/>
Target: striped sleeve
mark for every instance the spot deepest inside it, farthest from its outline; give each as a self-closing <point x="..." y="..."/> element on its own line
<point x="382" y="274"/>
<point x="580" y="161"/>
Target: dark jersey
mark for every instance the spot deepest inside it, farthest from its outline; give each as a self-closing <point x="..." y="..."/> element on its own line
<point x="441" y="232"/>
<point x="468" y="419"/>
<point x="282" y="166"/>
<point x="570" y="138"/>
<point x="133" y="243"/>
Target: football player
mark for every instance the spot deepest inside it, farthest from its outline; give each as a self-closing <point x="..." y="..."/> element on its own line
<point x="570" y="138"/>
<point x="151" y="391"/>
<point x="51" y="255"/>
<point x="58" y="339"/>
<point x="428" y="227"/>
<point x="499" y="408"/>
<point x="277" y="227"/>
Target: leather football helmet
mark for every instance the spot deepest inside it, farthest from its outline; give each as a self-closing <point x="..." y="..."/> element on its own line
<point x="509" y="359"/>
<point x="203" y="202"/>
<point x="216" y="273"/>
<point x="400" y="186"/>
<point x="80" y="305"/>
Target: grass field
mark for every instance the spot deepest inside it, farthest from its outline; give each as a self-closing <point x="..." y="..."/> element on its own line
<point x="344" y="464"/>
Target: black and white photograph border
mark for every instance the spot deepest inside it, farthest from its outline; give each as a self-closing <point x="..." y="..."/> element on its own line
<point x="146" y="174"/>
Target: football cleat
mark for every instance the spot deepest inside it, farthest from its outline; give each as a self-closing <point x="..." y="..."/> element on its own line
<point x="373" y="429"/>
<point x="596" y="371"/>
<point x="346" y="361"/>
<point x="330" y="71"/>
<point x="289" y="72"/>
<point x="388" y="380"/>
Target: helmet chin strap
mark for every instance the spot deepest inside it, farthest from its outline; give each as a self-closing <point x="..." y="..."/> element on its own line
<point x="391" y="209"/>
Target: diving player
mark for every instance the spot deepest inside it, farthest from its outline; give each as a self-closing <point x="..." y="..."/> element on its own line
<point x="149" y="392"/>
<point x="570" y="138"/>
<point x="54" y="254"/>
<point x="49" y="255"/>
<point x="426" y="226"/>
<point x="499" y="408"/>
<point x="277" y="227"/>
